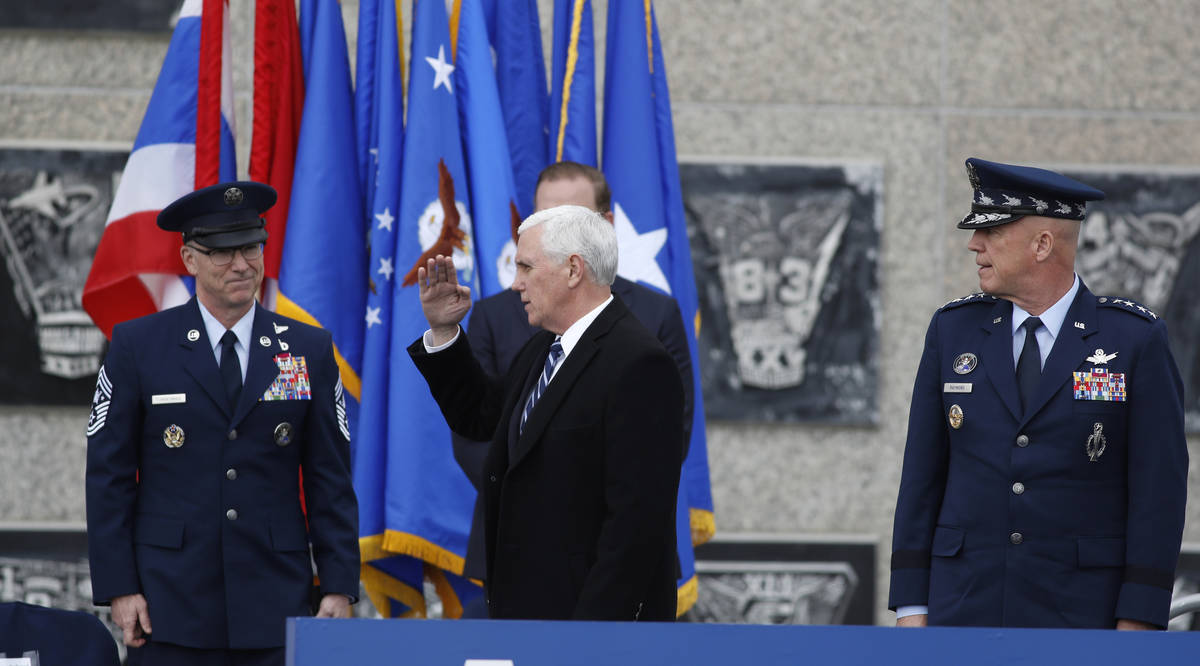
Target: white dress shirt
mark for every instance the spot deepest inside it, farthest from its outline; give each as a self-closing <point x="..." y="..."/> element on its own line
<point x="243" y="329"/>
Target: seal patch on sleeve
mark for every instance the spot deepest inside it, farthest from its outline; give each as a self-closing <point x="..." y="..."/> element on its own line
<point x="100" y="402"/>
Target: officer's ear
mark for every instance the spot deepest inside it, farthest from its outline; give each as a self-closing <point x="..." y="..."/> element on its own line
<point x="576" y="270"/>
<point x="189" y="259"/>
<point x="1042" y="244"/>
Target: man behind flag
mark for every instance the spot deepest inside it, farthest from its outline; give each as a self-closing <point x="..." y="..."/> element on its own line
<point x="137" y="269"/>
<point x="639" y="160"/>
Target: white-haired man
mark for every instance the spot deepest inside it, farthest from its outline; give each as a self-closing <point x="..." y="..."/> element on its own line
<point x="586" y="431"/>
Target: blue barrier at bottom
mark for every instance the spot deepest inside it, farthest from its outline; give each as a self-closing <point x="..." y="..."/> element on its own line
<point x="312" y="642"/>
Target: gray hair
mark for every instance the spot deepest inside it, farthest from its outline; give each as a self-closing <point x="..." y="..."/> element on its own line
<point x="577" y="230"/>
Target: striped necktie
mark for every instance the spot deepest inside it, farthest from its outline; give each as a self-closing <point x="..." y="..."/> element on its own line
<point x="552" y="359"/>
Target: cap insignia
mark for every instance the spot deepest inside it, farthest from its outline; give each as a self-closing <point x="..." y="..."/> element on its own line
<point x="233" y="197"/>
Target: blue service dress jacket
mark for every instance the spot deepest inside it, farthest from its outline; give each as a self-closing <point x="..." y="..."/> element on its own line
<point x="197" y="507"/>
<point x="1067" y="515"/>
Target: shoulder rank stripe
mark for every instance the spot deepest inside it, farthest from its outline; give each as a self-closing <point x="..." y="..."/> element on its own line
<point x="977" y="297"/>
<point x="1128" y="306"/>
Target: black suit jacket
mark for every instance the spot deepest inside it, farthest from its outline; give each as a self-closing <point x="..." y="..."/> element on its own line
<point x="499" y="328"/>
<point x="579" y="520"/>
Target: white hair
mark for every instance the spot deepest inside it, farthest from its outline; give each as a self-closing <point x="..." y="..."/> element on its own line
<point x="568" y="230"/>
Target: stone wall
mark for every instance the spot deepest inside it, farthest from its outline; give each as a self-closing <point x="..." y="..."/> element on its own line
<point x="918" y="86"/>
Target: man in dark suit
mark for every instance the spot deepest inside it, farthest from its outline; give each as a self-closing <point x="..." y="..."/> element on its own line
<point x="586" y="431"/>
<point x="204" y="416"/>
<point x="499" y="327"/>
<point x="1045" y="472"/>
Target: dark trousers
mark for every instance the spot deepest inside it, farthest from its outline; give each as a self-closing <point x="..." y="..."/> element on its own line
<point x="167" y="654"/>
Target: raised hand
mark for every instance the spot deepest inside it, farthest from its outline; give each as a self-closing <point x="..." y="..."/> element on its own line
<point x="443" y="300"/>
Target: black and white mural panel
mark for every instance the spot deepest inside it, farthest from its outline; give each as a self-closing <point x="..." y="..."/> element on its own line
<point x="1142" y="242"/>
<point x="785" y="579"/>
<point x="53" y="204"/>
<point x="786" y="260"/>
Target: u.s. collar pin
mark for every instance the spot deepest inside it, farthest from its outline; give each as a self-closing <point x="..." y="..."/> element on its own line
<point x="193" y="335"/>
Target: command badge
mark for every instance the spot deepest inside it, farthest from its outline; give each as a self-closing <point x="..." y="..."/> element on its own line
<point x="1096" y="442"/>
<point x="956" y="417"/>
<point x="283" y="434"/>
<point x="965" y="363"/>
<point x="173" y="436"/>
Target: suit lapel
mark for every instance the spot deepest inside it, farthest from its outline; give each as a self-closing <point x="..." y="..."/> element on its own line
<point x="1069" y="349"/>
<point x="531" y="375"/>
<point x="997" y="353"/>
<point x="560" y="387"/>
<point x="201" y="363"/>
<point x="261" y="369"/>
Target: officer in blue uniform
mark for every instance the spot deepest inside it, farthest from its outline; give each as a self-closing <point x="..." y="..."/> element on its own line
<point x="204" y="417"/>
<point x="1046" y="466"/>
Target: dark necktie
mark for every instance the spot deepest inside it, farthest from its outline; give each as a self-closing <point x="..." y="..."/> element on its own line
<point x="1029" y="364"/>
<point x="552" y="359"/>
<point x="231" y="369"/>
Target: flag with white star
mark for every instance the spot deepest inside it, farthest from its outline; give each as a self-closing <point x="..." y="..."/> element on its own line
<point x="427" y="501"/>
<point x="393" y="581"/>
<point x="485" y="141"/>
<point x="641" y="167"/>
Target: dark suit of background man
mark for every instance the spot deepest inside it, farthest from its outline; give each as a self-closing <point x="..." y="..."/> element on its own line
<point x="499" y="328"/>
<point x="203" y="416"/>
<point x="586" y="438"/>
<point x="1045" y="475"/>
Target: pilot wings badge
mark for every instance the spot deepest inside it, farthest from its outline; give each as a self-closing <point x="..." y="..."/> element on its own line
<point x="1101" y="358"/>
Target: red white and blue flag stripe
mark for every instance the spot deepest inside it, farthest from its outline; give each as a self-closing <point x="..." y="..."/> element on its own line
<point x="186" y="141"/>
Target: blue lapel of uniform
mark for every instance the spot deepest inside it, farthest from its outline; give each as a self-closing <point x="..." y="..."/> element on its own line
<point x="1069" y="348"/>
<point x="997" y="356"/>
<point x="261" y="370"/>
<point x="200" y="361"/>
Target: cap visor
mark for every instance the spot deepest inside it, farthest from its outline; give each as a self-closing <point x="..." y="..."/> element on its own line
<point x="984" y="220"/>
<point x="232" y="238"/>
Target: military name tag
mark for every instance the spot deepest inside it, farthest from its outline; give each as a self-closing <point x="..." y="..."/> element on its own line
<point x="1100" y="384"/>
<point x="292" y="382"/>
<point x="168" y="398"/>
<point x="960" y="387"/>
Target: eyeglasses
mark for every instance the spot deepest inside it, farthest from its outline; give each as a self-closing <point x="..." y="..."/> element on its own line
<point x="224" y="256"/>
